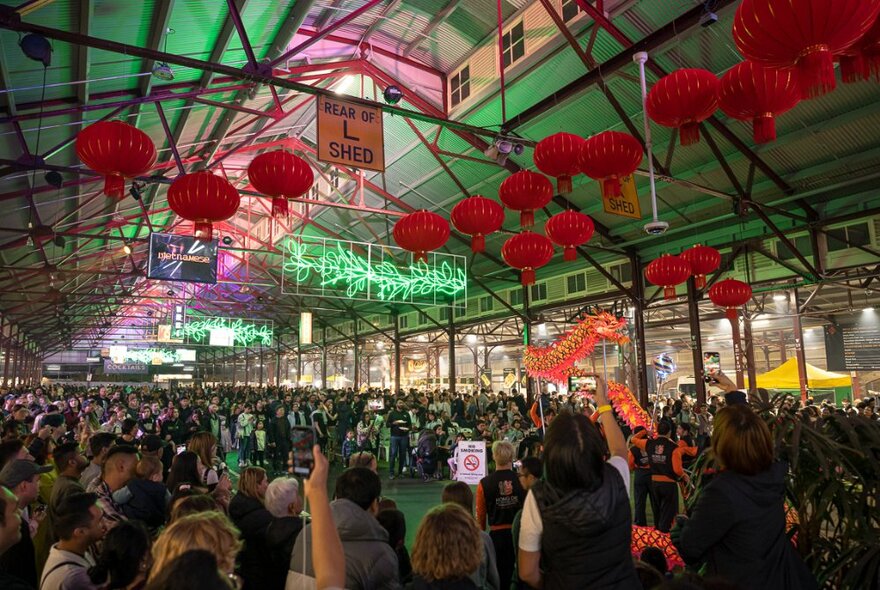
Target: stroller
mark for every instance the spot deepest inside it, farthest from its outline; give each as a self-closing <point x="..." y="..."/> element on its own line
<point x="425" y="456"/>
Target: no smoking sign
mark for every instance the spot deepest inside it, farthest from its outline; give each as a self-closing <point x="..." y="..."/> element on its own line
<point x="471" y="462"/>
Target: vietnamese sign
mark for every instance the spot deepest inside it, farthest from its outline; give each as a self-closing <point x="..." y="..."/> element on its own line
<point x="350" y="134"/>
<point x="470" y="461"/>
<point x="627" y="204"/>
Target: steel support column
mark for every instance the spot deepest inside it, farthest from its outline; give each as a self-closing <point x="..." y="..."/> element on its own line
<point x="324" y="356"/>
<point x="693" y="297"/>
<point x="396" y="318"/>
<point x="638" y="305"/>
<point x="527" y="339"/>
<point x="798" y="343"/>
<point x="262" y="364"/>
<point x="737" y="350"/>
<point x="278" y="360"/>
<point x="749" y="352"/>
<point x="450" y="331"/>
<point x="357" y="359"/>
<point x="8" y="351"/>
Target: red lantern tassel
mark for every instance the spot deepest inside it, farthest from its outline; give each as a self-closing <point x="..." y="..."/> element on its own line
<point x="689" y="134"/>
<point x="816" y="71"/>
<point x="563" y="185"/>
<point x="527" y="218"/>
<point x="853" y="68"/>
<point x="204" y="230"/>
<point x="764" y="128"/>
<point x="872" y="62"/>
<point x="421" y="257"/>
<point x="114" y="186"/>
<point x="611" y="187"/>
<point x="669" y="292"/>
<point x="731" y="313"/>
<point x="478" y="243"/>
<point x="527" y="277"/>
<point x="569" y="254"/>
<point x="279" y="207"/>
<point x="699" y="281"/>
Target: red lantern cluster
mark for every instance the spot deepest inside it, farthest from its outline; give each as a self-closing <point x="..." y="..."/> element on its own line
<point x="204" y="199"/>
<point x="421" y="232"/>
<point x="730" y="294"/>
<point x="570" y="229"/>
<point x="684" y="99"/>
<point x="527" y="251"/>
<point x="526" y="191"/>
<point x="559" y="156"/>
<point x="118" y="151"/>
<point x="752" y="92"/>
<point x="805" y="34"/>
<point x="703" y="260"/>
<point x="667" y="272"/>
<point x="609" y="156"/>
<point x="282" y="176"/>
<point x="862" y="60"/>
<point x="477" y="217"/>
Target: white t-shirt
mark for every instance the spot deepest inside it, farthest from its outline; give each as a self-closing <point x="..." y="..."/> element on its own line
<point x="531" y="526"/>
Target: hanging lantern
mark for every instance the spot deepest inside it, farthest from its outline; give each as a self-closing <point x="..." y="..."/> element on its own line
<point x="526" y="191"/>
<point x="282" y="176"/>
<point x="569" y="229"/>
<point x="118" y="151"/>
<point x="703" y="260"/>
<point x="730" y="294"/>
<point x="667" y="272"/>
<point x="527" y="251"/>
<point x="862" y="60"/>
<point x="806" y="34"/>
<point x="684" y="99"/>
<point x="477" y="217"/>
<point x="752" y="92"/>
<point x="608" y="156"/>
<point x="420" y="233"/>
<point x="559" y="156"/>
<point x="203" y="198"/>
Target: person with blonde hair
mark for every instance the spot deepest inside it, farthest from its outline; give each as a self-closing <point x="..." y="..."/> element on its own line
<point x="737" y="526"/>
<point x="211" y="531"/>
<point x="204" y="445"/>
<point x="447" y="549"/>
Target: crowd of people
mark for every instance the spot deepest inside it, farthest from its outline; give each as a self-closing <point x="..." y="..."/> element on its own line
<point x="119" y="488"/>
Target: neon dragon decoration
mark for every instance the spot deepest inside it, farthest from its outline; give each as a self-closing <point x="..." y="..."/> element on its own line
<point x="556" y="362"/>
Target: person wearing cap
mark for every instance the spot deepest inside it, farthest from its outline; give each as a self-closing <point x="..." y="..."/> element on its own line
<point x="22" y="478"/>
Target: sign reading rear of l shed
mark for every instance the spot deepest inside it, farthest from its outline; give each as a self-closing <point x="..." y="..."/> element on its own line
<point x="350" y="134"/>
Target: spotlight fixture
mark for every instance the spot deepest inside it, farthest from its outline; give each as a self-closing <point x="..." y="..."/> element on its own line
<point x="502" y="147"/>
<point x="392" y="94"/>
<point x="136" y="191"/>
<point x="54" y="179"/>
<point x="162" y="71"/>
<point x="170" y="293"/>
<point x="126" y="248"/>
<point x="227" y="241"/>
<point x="37" y="48"/>
<point x="869" y="308"/>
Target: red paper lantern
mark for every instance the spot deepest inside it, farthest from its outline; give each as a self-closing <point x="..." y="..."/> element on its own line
<point x="526" y="191"/>
<point x="862" y="60"/>
<point x="527" y="251"/>
<point x="667" y="272"/>
<point x="118" y="151"/>
<point x="282" y="176"/>
<point x="608" y="156"/>
<point x="203" y="198"/>
<point x="730" y="294"/>
<point x="477" y="217"/>
<point x="703" y="260"/>
<point x="752" y="92"/>
<point x="569" y="229"/>
<point x="684" y="99"/>
<point x="559" y="156"/>
<point x="806" y="34"/>
<point x="421" y="232"/>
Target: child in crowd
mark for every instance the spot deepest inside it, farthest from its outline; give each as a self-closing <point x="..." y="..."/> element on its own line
<point x="348" y="447"/>
<point x="260" y="446"/>
<point x="453" y="459"/>
<point x="145" y="498"/>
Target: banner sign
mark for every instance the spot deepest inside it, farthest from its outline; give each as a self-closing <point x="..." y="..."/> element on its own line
<point x="350" y="134"/>
<point x="509" y="377"/>
<point x="627" y="204"/>
<point x="216" y="331"/>
<point x="182" y="258"/>
<point x="134" y="368"/>
<point x="325" y="267"/>
<point x="416" y="365"/>
<point x="486" y="377"/>
<point x="470" y="465"/>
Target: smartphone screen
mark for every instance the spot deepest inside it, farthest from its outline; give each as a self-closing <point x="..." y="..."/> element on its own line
<point x="180" y="449"/>
<point x="303" y="438"/>
<point x="585" y="384"/>
<point x="711" y="364"/>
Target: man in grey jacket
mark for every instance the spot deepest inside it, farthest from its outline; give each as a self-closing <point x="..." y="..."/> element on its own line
<point x="370" y="562"/>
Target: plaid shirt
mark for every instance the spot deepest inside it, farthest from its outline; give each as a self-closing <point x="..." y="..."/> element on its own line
<point x="112" y="511"/>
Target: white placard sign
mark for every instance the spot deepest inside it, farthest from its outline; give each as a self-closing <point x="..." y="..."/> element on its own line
<point x="471" y="462"/>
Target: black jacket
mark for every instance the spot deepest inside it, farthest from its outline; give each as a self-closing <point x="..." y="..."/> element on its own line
<point x="253" y="520"/>
<point x="19" y="561"/>
<point x="149" y="500"/>
<point x="280" y="537"/>
<point x="737" y="528"/>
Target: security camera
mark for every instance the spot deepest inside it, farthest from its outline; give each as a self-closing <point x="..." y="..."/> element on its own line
<point x="656" y="228"/>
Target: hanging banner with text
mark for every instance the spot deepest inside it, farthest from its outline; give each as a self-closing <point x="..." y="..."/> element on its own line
<point x="627" y="204"/>
<point x="350" y="134"/>
<point x="470" y="464"/>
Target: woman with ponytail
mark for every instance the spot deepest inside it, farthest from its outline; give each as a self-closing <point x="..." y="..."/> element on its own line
<point x="125" y="558"/>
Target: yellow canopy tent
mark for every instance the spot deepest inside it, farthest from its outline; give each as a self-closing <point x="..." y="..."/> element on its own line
<point x="785" y="376"/>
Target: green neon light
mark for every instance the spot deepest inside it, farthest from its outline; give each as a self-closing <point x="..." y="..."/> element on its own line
<point x="340" y="267"/>
<point x="245" y="332"/>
